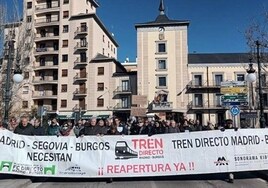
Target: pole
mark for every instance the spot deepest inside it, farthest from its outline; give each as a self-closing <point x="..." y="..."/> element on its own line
<point x="8" y="84"/>
<point x="262" y="118"/>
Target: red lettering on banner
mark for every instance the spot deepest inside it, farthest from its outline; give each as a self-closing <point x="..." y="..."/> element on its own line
<point x="152" y="143"/>
<point x="135" y="169"/>
<point x="179" y="166"/>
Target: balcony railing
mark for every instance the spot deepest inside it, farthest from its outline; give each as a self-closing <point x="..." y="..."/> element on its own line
<point x="162" y="106"/>
<point x="80" y="77"/>
<point x="46" y="65"/>
<point x="47" y="36"/>
<point x="45" y="79"/>
<point x="47" y="21"/>
<point x="46" y="50"/>
<point x="45" y="94"/>
<point x="79" y="61"/>
<point x="122" y="106"/>
<point x="80" y="92"/>
<point x="81" y="31"/>
<point x="205" y="105"/>
<point x="81" y="46"/>
<point x="203" y="84"/>
<point x="46" y="6"/>
<point x="78" y="108"/>
<point x="122" y="90"/>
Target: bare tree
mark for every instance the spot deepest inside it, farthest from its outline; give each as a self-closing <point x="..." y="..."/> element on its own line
<point x="18" y="31"/>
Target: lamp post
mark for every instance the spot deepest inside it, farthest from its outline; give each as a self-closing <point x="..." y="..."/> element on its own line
<point x="17" y="78"/>
<point x="251" y="77"/>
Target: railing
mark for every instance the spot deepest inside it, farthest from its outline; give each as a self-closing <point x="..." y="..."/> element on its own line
<point x="79" y="61"/>
<point x="205" y="105"/>
<point x="121" y="105"/>
<point x="162" y="106"/>
<point x="201" y="84"/>
<point x="81" y="30"/>
<point x="47" y="35"/>
<point x="81" y="45"/>
<point x="39" y="79"/>
<point x="46" y="49"/>
<point x="122" y="90"/>
<point x="79" y="108"/>
<point x="41" y="94"/>
<point x="47" y="20"/>
<point x="80" y="76"/>
<point x="46" y="65"/>
<point x="80" y="92"/>
<point x="47" y="6"/>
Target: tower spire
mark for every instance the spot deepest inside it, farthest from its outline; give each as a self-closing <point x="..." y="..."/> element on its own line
<point x="162" y="7"/>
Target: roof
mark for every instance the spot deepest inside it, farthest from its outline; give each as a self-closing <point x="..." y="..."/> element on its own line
<point x="217" y="58"/>
<point x="162" y="19"/>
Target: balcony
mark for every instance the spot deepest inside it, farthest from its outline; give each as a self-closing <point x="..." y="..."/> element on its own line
<point x="46" y="51"/>
<point x="203" y="87"/>
<point x="46" y="65"/>
<point x="37" y="80"/>
<point x="47" y="36"/>
<point x="122" y="90"/>
<point x="51" y="21"/>
<point x="80" y="77"/>
<point x="81" y="46"/>
<point x="78" y="108"/>
<point x="162" y="106"/>
<point x="45" y="95"/>
<point x="122" y="106"/>
<point x="48" y="7"/>
<point x="81" y="31"/>
<point x="205" y="107"/>
<point x="78" y="63"/>
<point x="80" y="93"/>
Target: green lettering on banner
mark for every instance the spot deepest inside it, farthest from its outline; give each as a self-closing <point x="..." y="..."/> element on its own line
<point x="6" y="164"/>
<point x="50" y="170"/>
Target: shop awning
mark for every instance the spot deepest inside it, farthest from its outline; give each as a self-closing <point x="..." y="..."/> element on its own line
<point x="65" y="115"/>
<point x="96" y="114"/>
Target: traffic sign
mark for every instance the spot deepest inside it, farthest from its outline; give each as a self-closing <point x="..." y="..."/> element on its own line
<point x="235" y="103"/>
<point x="233" y="83"/>
<point x="234" y="98"/>
<point x="235" y="110"/>
<point x="233" y="90"/>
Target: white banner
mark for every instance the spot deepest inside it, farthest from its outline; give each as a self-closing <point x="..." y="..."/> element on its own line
<point x="129" y="156"/>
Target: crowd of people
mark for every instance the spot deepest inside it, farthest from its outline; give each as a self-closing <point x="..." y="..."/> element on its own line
<point x="110" y="126"/>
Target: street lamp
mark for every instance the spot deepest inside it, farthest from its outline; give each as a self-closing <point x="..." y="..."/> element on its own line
<point x="251" y="77"/>
<point x="17" y="78"/>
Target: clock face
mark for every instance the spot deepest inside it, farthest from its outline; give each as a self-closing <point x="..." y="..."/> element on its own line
<point x="161" y="29"/>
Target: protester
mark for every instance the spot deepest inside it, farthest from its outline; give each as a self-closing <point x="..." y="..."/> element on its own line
<point x="13" y="123"/>
<point x="173" y="128"/>
<point x="209" y="126"/>
<point x="91" y="128"/>
<point x="53" y="128"/>
<point x="66" y="129"/>
<point x="38" y="129"/>
<point x="102" y="127"/>
<point x="24" y="127"/>
<point x="157" y="128"/>
<point x="121" y="127"/>
<point x="78" y="127"/>
<point x="113" y="130"/>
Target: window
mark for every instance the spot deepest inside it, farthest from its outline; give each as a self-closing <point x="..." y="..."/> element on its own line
<point x="64" y="72"/>
<point x="24" y="104"/>
<point x="83" y="42"/>
<point x="162" y="81"/>
<point x="26" y="75"/>
<point x="65" y="43"/>
<point x="83" y="57"/>
<point x="100" y="87"/>
<point x="103" y="51"/>
<point x="64" y="88"/>
<point x="63" y="103"/>
<point x="125" y="85"/>
<point x="198" y="100"/>
<point x="161" y="47"/>
<point x="162" y="64"/>
<point x="108" y="44"/>
<point x="65" y="14"/>
<point x="100" y="70"/>
<point x="65" y="29"/>
<point x="218" y="99"/>
<point x="64" y="57"/>
<point x="103" y="38"/>
<point x="83" y="27"/>
<point x="29" y="5"/>
<point x="25" y="89"/>
<point x="240" y="77"/>
<point x="65" y="1"/>
<point x="55" y="60"/>
<point x="100" y="102"/>
<point x="125" y="103"/>
<point x="29" y="19"/>
<point x="197" y="80"/>
<point x="218" y="79"/>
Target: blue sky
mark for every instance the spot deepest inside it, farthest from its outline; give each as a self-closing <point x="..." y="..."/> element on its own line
<point x="215" y="25"/>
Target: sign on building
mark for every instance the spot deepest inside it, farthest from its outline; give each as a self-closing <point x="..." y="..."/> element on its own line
<point x="139" y="99"/>
<point x="137" y="111"/>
